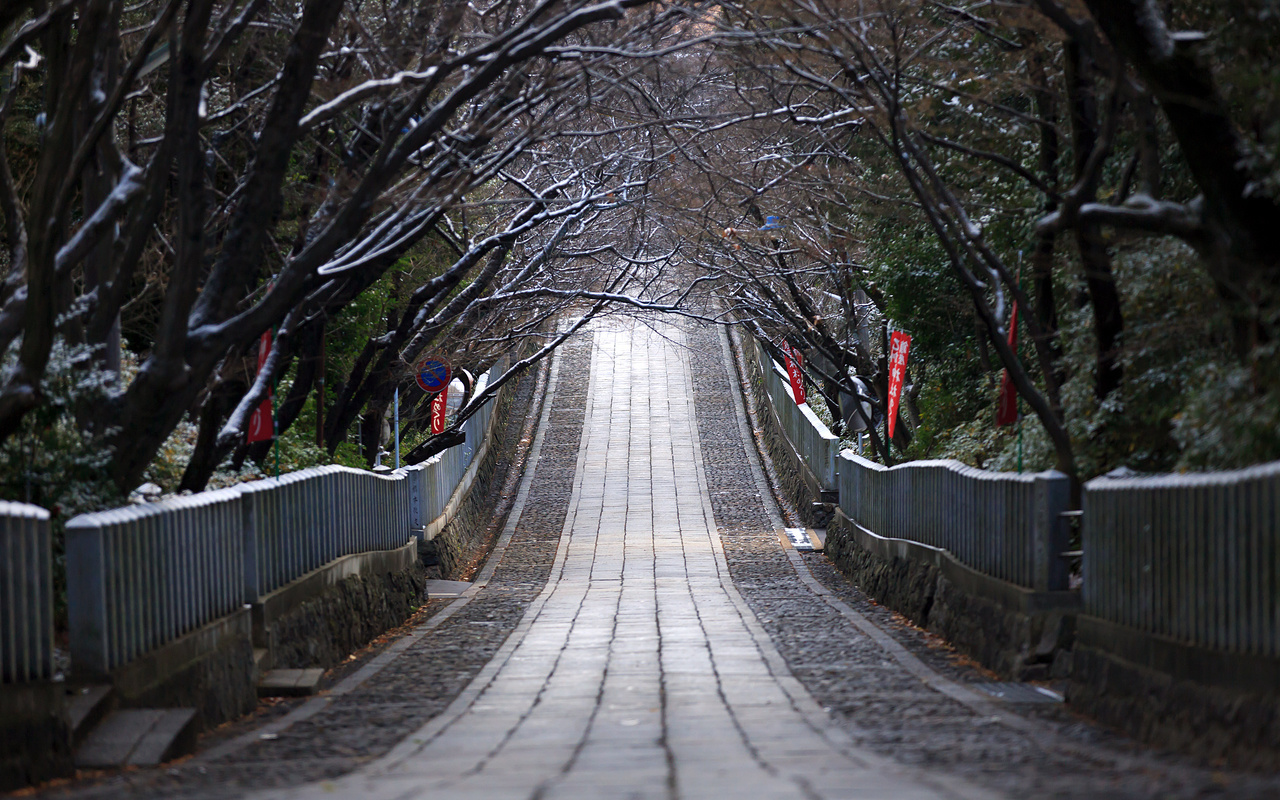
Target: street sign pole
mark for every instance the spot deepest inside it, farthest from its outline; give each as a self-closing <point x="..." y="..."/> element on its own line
<point x="397" y="427"/>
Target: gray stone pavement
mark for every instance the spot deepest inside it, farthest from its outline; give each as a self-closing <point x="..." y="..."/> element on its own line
<point x="638" y="671"/>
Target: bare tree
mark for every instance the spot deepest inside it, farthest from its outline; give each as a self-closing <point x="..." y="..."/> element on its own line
<point x="401" y="112"/>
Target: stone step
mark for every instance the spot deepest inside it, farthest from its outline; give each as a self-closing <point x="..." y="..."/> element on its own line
<point x="86" y="707"/>
<point x="290" y="682"/>
<point x="138" y="737"/>
<point x="437" y="590"/>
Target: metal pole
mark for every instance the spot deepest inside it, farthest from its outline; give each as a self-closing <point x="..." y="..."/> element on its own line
<point x="320" y="393"/>
<point x="275" y="422"/>
<point x="1019" y="445"/>
<point x="397" y="427"/>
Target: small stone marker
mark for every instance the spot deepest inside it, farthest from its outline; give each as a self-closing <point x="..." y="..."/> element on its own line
<point x="804" y="539"/>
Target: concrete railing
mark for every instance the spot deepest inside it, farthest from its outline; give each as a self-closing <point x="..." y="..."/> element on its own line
<point x="433" y="482"/>
<point x="141" y="576"/>
<point x="303" y="520"/>
<point x="1003" y="524"/>
<point x="817" y="445"/>
<point x="1195" y="558"/>
<point x="26" y="594"/>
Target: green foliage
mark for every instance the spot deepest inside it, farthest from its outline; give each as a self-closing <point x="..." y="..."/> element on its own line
<point x="1186" y="401"/>
<point x="924" y="297"/>
<point x="51" y="463"/>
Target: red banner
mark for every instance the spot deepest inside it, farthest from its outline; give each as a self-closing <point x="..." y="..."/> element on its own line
<point x="439" y="407"/>
<point x="261" y="425"/>
<point x="795" y="371"/>
<point x="1007" y="410"/>
<point x="899" y="345"/>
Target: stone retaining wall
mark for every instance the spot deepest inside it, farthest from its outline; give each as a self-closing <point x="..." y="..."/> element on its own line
<point x="1015" y="632"/>
<point x="210" y="669"/>
<point x="35" y="734"/>
<point x="320" y="618"/>
<point x="1215" y="704"/>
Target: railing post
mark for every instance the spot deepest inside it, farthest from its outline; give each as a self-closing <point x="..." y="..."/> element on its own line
<point x="1049" y="531"/>
<point x="249" y="531"/>
<point x="417" y="479"/>
<point x="26" y="594"/>
<point x="87" y="598"/>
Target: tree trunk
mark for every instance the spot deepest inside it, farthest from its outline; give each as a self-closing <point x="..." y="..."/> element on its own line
<point x="1108" y="320"/>
<point x="206" y="456"/>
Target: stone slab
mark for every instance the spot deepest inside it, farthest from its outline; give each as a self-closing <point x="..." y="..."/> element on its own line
<point x="173" y="735"/>
<point x="290" y="682"/>
<point x="86" y="708"/>
<point x="138" y="737"/>
<point x="442" y="589"/>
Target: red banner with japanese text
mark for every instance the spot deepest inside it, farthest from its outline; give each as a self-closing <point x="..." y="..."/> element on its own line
<point x="439" y="408"/>
<point x="795" y="371"/>
<point x="899" y="345"/>
<point x="1007" y="410"/>
<point x="262" y="425"/>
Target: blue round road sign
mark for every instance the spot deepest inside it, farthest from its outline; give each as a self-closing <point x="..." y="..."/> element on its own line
<point x="433" y="374"/>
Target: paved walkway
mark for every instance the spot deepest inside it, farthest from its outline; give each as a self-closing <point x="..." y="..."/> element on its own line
<point x="639" y="671"/>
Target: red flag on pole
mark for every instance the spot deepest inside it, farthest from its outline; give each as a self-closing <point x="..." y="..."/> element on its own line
<point x="795" y="367"/>
<point x="1007" y="410"/>
<point x="899" y="345"/>
<point x="261" y="425"/>
<point x="439" y="406"/>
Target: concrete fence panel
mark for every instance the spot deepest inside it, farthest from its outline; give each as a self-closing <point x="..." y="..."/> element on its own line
<point x="141" y="576"/>
<point x="811" y="438"/>
<point x="1195" y="558"/>
<point x="299" y="522"/>
<point x="1005" y="525"/>
<point x="26" y="594"/>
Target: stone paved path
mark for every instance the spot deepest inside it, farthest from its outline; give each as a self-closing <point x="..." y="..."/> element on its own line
<point x="609" y="655"/>
<point x="639" y="671"/>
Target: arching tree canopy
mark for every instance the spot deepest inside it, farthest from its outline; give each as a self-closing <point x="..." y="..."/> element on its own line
<point x="376" y="181"/>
